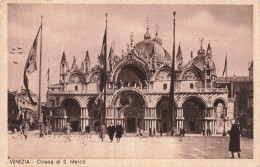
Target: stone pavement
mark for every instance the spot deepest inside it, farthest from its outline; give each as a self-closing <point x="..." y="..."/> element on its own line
<point x="188" y="147"/>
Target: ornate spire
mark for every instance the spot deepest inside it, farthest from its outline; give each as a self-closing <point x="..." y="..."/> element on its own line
<point x="157" y="39"/>
<point x="74" y="65"/>
<point x="87" y="56"/>
<point x="201" y="50"/>
<point x="147" y="35"/>
<point x="209" y="51"/>
<point x="63" y="59"/>
<point x="82" y="66"/>
<point x="179" y="58"/>
<point x="131" y="39"/>
<point x="179" y="53"/>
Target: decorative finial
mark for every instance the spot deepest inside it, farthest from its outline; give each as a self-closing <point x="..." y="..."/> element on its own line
<point x="132" y="38"/>
<point x="201" y="41"/>
<point x="113" y="44"/>
<point x="41" y="17"/>
<point x="156" y="28"/>
<point x="106" y="17"/>
<point x="147" y="21"/>
<point x="174" y="14"/>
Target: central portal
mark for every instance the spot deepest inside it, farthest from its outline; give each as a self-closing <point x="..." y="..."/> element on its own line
<point x="131" y="125"/>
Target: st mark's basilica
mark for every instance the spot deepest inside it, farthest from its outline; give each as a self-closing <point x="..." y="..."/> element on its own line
<point x="138" y="84"/>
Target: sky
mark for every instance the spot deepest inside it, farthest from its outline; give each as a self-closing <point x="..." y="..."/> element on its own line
<point x="77" y="28"/>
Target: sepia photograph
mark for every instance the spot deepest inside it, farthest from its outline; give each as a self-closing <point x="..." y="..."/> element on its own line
<point x="129" y="81"/>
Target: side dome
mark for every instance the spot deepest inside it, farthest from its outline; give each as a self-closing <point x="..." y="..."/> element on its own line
<point x="199" y="61"/>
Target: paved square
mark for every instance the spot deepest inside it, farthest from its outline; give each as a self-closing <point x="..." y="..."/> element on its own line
<point x="188" y="147"/>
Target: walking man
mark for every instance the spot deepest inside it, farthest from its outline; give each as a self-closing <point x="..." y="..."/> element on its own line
<point x="67" y="131"/>
<point x="119" y="131"/>
<point x="102" y="132"/>
<point x="234" y="142"/>
<point x="42" y="127"/>
<point x="111" y="131"/>
<point x="150" y="132"/>
<point x="154" y="131"/>
<point x="26" y="130"/>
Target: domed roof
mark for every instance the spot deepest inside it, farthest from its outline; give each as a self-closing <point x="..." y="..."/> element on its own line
<point x="152" y="48"/>
<point x="158" y="40"/>
<point x="200" y="62"/>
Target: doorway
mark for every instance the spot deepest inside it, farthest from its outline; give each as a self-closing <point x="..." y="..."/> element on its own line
<point x="75" y="126"/>
<point x="131" y="125"/>
<point x="192" y="126"/>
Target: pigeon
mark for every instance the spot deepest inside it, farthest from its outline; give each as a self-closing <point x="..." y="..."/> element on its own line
<point x="13" y="49"/>
<point x="15" y="62"/>
<point x="11" y="52"/>
<point x="20" y="52"/>
<point x="19" y="48"/>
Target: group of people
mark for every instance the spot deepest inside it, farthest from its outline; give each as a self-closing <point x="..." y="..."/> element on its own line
<point x="23" y="129"/>
<point x="112" y="131"/>
<point x="208" y="132"/>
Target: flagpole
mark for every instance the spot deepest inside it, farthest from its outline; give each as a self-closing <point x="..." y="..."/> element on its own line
<point x="226" y="66"/>
<point x="48" y="72"/>
<point x="171" y="96"/>
<point x="105" y="71"/>
<point x="39" y="102"/>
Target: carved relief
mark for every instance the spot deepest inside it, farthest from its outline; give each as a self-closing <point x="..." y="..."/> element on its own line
<point x="95" y="77"/>
<point x="191" y="75"/>
<point x="75" y="79"/>
<point x="163" y="75"/>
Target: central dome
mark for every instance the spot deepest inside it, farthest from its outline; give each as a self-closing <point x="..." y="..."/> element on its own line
<point x="152" y="50"/>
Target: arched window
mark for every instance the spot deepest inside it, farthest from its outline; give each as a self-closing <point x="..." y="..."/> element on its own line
<point x="76" y="88"/>
<point x="164" y="86"/>
<point x="191" y="85"/>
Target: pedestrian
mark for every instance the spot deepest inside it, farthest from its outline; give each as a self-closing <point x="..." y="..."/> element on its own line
<point x="150" y="132"/>
<point x="26" y="130"/>
<point x="153" y="131"/>
<point x="172" y="131"/>
<point x="137" y="131"/>
<point x="111" y="131"/>
<point x="180" y="131"/>
<point x="67" y="129"/>
<point x="161" y="132"/>
<point x="234" y="142"/>
<point x="102" y="132"/>
<point x="140" y="133"/>
<point x="203" y="132"/>
<point x="208" y="132"/>
<point x="42" y="127"/>
<point x="119" y="131"/>
<point x="183" y="132"/>
<point x="87" y="129"/>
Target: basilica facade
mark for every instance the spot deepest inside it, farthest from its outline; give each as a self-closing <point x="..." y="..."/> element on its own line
<point x="137" y="91"/>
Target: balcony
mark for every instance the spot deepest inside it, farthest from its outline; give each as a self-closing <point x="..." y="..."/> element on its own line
<point x="145" y="90"/>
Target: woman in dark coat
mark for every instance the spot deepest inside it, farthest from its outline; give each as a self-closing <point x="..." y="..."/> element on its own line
<point x="111" y="131"/>
<point x="234" y="143"/>
<point x="119" y="131"/>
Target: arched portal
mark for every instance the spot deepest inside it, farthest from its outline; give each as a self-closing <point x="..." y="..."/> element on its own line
<point x="71" y="108"/>
<point x="164" y="117"/>
<point x="130" y="107"/>
<point x="94" y="108"/>
<point x="132" y="76"/>
<point x="194" y="111"/>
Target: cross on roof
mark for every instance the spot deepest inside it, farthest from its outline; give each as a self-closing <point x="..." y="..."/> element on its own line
<point x="157" y="28"/>
<point x="201" y="41"/>
<point x="147" y="21"/>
